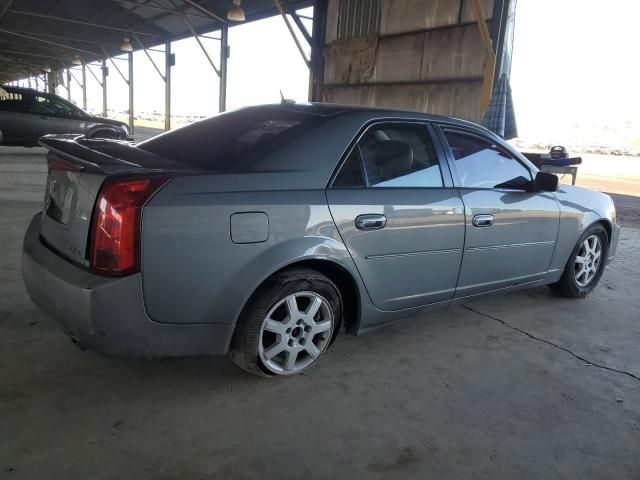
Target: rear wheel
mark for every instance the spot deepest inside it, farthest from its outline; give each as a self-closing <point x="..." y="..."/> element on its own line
<point x="586" y="264"/>
<point x="287" y="325"/>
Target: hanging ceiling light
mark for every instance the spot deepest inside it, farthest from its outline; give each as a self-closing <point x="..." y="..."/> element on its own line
<point x="126" y="45"/>
<point x="76" y="60"/>
<point x="46" y="69"/>
<point x="236" y="13"/>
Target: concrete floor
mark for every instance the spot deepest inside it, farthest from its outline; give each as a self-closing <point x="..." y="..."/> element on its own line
<point x="521" y="385"/>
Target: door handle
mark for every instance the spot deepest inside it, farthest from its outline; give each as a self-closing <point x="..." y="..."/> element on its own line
<point x="482" y="220"/>
<point x="370" y="221"/>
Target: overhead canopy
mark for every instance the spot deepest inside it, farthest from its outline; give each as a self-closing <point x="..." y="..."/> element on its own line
<point x="36" y="34"/>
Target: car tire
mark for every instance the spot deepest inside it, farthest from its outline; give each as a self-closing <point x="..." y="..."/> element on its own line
<point x="573" y="283"/>
<point x="267" y="325"/>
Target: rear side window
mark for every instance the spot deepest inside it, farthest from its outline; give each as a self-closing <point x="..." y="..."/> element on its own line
<point x="13" y="102"/>
<point x="232" y="140"/>
<point x="396" y="155"/>
<point x="482" y="164"/>
<point x="350" y="175"/>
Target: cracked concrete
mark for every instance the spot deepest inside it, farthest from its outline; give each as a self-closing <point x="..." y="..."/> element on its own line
<point x="449" y="394"/>
<point x="588" y="363"/>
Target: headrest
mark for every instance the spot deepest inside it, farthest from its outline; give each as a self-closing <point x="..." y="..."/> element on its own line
<point x="393" y="158"/>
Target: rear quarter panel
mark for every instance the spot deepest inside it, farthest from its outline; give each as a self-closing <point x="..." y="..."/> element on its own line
<point x="579" y="208"/>
<point x="192" y="270"/>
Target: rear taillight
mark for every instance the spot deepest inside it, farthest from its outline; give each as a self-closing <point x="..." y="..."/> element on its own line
<point x="117" y="221"/>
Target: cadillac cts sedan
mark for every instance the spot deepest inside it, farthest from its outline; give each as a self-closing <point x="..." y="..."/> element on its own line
<point x="266" y="231"/>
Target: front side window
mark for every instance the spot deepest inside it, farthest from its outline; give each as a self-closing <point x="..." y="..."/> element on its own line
<point x="400" y="155"/>
<point x="50" y="106"/>
<point x="482" y="164"/>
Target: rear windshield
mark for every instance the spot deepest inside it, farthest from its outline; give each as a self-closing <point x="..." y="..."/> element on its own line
<point x="234" y="140"/>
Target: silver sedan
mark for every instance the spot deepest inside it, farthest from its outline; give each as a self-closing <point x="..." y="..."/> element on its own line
<point x="266" y="231"/>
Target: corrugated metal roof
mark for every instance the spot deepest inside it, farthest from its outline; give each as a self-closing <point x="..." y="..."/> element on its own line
<point x="37" y="33"/>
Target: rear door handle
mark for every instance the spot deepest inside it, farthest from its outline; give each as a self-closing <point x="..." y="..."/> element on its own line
<point x="482" y="220"/>
<point x="371" y="221"/>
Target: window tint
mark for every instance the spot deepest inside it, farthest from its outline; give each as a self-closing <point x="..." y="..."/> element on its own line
<point x="397" y="155"/>
<point x="51" y="106"/>
<point x="481" y="164"/>
<point x="350" y="175"/>
<point x="232" y="141"/>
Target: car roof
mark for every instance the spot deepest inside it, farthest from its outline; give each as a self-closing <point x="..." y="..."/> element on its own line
<point x="332" y="110"/>
<point x="24" y="90"/>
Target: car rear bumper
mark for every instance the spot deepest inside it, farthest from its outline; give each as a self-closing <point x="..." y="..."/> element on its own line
<point x="107" y="315"/>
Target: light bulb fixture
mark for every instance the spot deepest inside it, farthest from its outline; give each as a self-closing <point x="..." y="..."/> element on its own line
<point x="236" y="13"/>
<point x="126" y="45"/>
<point x="46" y="69"/>
<point x="76" y="60"/>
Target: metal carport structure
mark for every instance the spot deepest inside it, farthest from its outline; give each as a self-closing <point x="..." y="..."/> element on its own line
<point x="43" y="38"/>
<point x="441" y="56"/>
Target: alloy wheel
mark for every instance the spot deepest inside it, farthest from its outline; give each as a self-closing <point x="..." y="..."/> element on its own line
<point x="588" y="260"/>
<point x="295" y="332"/>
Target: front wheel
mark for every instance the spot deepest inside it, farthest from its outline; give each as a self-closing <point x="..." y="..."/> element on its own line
<point x="288" y="324"/>
<point x="586" y="264"/>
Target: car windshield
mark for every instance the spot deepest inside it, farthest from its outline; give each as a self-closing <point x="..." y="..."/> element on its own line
<point x="229" y="141"/>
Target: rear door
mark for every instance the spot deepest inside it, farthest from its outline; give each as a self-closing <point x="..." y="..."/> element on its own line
<point x="511" y="230"/>
<point x="395" y="207"/>
<point x="15" y="118"/>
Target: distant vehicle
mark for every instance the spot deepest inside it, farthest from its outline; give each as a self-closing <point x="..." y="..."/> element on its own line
<point x="266" y="230"/>
<point x="26" y="115"/>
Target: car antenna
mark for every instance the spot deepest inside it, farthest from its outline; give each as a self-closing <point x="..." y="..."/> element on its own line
<point x="285" y="101"/>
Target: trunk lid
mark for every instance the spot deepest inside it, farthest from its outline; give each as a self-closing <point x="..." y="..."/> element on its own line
<point x="77" y="170"/>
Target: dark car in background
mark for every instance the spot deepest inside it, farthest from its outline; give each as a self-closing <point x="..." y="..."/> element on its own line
<point x="26" y="115"/>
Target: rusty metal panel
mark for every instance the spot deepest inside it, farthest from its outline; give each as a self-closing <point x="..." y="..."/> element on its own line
<point x="458" y="99"/>
<point x="398" y="58"/>
<point x="350" y="61"/>
<point x="453" y="53"/>
<point x="358" y="19"/>
<point x="333" y="8"/>
<point x="401" y="97"/>
<point x="467" y="10"/>
<point x="363" y="96"/>
<point x="399" y="16"/>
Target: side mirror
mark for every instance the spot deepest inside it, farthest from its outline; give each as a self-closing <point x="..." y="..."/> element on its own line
<point x="546" y="182"/>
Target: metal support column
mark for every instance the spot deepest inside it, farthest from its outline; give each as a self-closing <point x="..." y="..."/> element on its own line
<point x="130" y="82"/>
<point x="68" y="84"/>
<point x="224" y="55"/>
<point x="316" y="83"/>
<point x="84" y="86"/>
<point x="168" y="63"/>
<point x="105" y="72"/>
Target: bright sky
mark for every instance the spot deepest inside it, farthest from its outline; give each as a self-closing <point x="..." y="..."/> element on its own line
<point x="264" y="59"/>
<point x="575" y="64"/>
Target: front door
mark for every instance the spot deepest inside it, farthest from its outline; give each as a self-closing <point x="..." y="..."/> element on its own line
<point x="511" y="231"/>
<point x="52" y="115"/>
<point x="397" y="211"/>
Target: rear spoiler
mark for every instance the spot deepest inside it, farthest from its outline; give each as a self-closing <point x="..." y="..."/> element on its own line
<point x="108" y="156"/>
